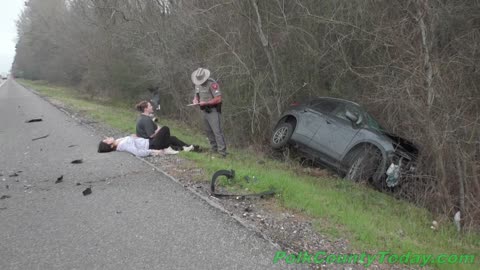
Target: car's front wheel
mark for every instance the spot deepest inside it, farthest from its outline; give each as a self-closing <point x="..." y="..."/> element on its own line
<point x="363" y="164"/>
<point x="281" y="135"/>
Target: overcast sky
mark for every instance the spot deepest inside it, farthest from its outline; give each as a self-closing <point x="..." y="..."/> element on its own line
<point x="9" y="12"/>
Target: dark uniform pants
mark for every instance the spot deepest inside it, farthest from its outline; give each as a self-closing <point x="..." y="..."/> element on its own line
<point x="214" y="131"/>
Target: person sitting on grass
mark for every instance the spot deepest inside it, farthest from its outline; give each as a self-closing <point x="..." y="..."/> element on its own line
<point x="161" y="143"/>
<point x="158" y="136"/>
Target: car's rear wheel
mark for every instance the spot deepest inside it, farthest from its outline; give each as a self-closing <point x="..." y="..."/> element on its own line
<point x="281" y="135"/>
<point x="363" y="164"/>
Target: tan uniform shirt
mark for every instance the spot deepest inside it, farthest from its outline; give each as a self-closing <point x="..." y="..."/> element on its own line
<point x="209" y="91"/>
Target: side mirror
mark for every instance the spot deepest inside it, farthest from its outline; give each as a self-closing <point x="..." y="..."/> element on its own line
<point x="357" y="120"/>
<point x="350" y="116"/>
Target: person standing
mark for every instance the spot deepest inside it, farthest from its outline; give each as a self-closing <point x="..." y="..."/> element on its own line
<point x="209" y="97"/>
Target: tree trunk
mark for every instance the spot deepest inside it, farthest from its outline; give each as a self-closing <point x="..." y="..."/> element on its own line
<point x="426" y="45"/>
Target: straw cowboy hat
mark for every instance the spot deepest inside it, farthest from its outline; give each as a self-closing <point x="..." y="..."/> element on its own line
<point x="200" y="76"/>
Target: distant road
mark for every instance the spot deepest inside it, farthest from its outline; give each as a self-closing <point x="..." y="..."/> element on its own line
<point x="135" y="218"/>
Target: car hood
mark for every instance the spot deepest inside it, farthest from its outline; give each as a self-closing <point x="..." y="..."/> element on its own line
<point x="403" y="145"/>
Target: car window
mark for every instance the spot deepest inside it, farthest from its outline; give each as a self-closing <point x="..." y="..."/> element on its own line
<point x="341" y="112"/>
<point x="371" y="122"/>
<point x="324" y="106"/>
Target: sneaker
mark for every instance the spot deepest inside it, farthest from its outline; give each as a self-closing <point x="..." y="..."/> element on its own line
<point x="188" y="148"/>
<point x="170" y="151"/>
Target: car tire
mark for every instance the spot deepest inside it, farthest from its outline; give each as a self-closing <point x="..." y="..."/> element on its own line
<point x="281" y="135"/>
<point x="363" y="164"/>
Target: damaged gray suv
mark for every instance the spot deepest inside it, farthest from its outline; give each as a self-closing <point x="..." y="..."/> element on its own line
<point x="343" y="136"/>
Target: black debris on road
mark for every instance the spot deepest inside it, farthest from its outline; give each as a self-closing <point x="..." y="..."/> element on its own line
<point x="43" y="137"/>
<point x="59" y="179"/>
<point x="87" y="191"/>
<point x="34" y="120"/>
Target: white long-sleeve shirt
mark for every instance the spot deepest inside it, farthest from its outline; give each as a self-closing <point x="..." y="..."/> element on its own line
<point x="135" y="145"/>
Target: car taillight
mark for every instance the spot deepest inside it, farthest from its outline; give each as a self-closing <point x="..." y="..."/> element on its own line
<point x="295" y="103"/>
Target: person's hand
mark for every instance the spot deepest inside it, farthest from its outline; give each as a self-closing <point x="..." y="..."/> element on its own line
<point x="155" y="132"/>
<point x="195" y="101"/>
<point x="203" y="103"/>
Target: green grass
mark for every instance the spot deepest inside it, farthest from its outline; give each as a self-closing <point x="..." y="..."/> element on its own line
<point x="372" y="221"/>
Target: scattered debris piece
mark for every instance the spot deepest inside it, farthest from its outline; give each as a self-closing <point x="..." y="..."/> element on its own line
<point x="59" y="179"/>
<point x="229" y="174"/>
<point x="248" y="179"/>
<point x="4" y="197"/>
<point x="72" y="145"/>
<point x="457" y="221"/>
<point x="78" y="184"/>
<point x="43" y="137"/>
<point x="118" y="212"/>
<point x="434" y="225"/>
<point x="87" y="191"/>
<point x="13" y="174"/>
<point x="34" y="120"/>
<point x="77" y="161"/>
<point x="7" y="187"/>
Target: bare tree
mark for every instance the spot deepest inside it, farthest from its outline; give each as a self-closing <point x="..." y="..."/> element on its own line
<point x="414" y="64"/>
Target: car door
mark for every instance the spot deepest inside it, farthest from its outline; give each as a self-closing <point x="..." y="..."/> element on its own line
<point x="311" y="120"/>
<point x="336" y="134"/>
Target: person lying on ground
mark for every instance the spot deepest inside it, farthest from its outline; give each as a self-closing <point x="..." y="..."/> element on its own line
<point x="132" y="144"/>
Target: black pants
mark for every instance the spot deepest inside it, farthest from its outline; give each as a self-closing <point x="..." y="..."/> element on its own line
<point x="163" y="140"/>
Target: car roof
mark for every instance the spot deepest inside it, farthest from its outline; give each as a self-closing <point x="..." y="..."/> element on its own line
<point x="335" y="99"/>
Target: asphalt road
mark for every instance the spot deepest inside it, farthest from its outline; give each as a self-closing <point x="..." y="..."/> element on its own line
<point x="135" y="218"/>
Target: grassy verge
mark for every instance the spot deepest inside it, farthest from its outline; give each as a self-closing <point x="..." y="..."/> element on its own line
<point x="372" y="221"/>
